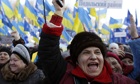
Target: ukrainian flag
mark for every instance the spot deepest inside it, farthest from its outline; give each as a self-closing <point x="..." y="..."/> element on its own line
<point x="1" y="24"/>
<point x="93" y="12"/>
<point x="16" y="26"/>
<point x="34" y="57"/>
<point x="6" y="29"/>
<point x="39" y="6"/>
<point x="19" y="11"/>
<point x="6" y="21"/>
<point x="21" y="27"/>
<point x="66" y="35"/>
<point x="101" y="13"/>
<point x="78" y="26"/>
<point x="29" y="11"/>
<point x="105" y="30"/>
<point x="7" y="8"/>
<point x="33" y="33"/>
<point x="115" y="23"/>
<point x="86" y="20"/>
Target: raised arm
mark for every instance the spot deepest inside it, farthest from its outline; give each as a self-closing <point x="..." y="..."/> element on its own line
<point x="17" y="38"/>
<point x="135" y="47"/>
<point x="49" y="54"/>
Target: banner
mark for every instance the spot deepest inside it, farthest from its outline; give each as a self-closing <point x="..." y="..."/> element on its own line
<point x="6" y="39"/>
<point x="100" y="3"/>
<point x="120" y="34"/>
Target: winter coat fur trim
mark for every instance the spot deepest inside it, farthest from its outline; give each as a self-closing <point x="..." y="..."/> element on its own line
<point x="23" y="75"/>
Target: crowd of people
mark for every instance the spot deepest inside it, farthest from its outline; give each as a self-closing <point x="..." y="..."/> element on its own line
<point x="88" y="60"/>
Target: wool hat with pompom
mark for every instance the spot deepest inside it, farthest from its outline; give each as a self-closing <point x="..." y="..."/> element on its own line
<point x="22" y="52"/>
<point x="83" y="40"/>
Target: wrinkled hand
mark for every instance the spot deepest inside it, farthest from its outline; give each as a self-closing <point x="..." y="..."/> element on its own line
<point x="15" y="35"/>
<point x="59" y="10"/>
<point x="119" y="52"/>
<point x="132" y="28"/>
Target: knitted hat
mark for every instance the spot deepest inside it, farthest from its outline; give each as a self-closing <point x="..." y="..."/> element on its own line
<point x="127" y="55"/>
<point x="22" y="52"/>
<point x="110" y="54"/>
<point x="113" y="45"/>
<point x="83" y="40"/>
<point x="5" y="49"/>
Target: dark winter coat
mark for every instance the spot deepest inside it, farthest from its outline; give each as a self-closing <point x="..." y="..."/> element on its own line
<point x="29" y="75"/>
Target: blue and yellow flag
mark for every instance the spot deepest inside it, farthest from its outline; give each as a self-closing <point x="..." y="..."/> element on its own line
<point x="105" y="30"/>
<point x="8" y="10"/>
<point x="101" y="13"/>
<point x="1" y="24"/>
<point x="78" y="26"/>
<point x="6" y="21"/>
<point x="29" y="11"/>
<point x="115" y="23"/>
<point x="39" y="6"/>
<point x="66" y="35"/>
<point x="16" y="26"/>
<point x="33" y="33"/>
<point x="19" y="11"/>
<point x="93" y="12"/>
<point x="86" y="20"/>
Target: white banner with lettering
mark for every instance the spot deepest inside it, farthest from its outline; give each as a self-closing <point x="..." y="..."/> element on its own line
<point x="120" y="34"/>
<point x="100" y="3"/>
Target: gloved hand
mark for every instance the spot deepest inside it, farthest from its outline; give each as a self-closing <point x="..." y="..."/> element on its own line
<point x="15" y="35"/>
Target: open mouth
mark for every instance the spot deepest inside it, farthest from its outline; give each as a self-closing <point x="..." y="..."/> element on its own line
<point x="93" y="66"/>
<point x="2" y="59"/>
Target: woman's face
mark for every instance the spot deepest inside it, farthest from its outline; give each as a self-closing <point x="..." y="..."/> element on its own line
<point x="116" y="67"/>
<point x="91" y="61"/>
<point x="121" y="47"/>
<point x="16" y="64"/>
<point x="4" y="57"/>
<point x="127" y="61"/>
<point x="112" y="48"/>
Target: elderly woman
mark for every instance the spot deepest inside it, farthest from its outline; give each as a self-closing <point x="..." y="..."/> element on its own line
<point x="20" y="70"/>
<point x="87" y="52"/>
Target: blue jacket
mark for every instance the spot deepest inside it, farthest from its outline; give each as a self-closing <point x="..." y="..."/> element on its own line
<point x="135" y="47"/>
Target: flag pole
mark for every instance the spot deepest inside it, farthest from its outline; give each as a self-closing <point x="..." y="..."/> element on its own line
<point x="44" y="10"/>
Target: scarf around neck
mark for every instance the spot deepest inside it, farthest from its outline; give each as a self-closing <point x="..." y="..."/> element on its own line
<point x="103" y="77"/>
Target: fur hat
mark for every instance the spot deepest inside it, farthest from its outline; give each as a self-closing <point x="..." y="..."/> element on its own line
<point x="113" y="45"/>
<point x="22" y="52"/>
<point x="5" y="49"/>
<point x="83" y="40"/>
